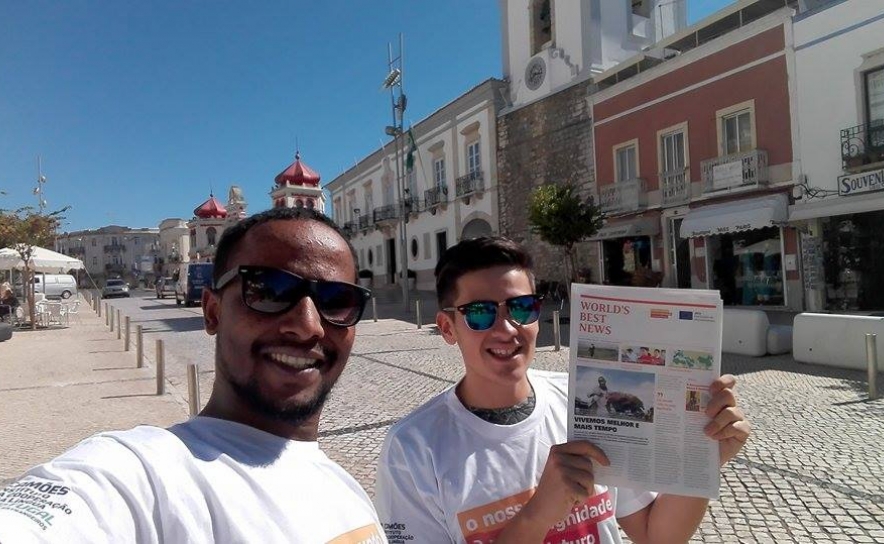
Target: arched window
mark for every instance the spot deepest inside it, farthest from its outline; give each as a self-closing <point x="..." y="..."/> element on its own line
<point x="210" y="235"/>
<point x="310" y="204"/>
<point x="299" y="203"/>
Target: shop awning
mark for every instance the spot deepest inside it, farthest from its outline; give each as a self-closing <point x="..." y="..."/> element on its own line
<point x="749" y="214"/>
<point x="625" y="229"/>
<point x="837" y="205"/>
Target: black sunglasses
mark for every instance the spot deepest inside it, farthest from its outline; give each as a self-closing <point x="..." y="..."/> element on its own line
<point x="274" y="291"/>
<point x="480" y="315"/>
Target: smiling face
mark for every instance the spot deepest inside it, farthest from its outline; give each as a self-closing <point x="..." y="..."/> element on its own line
<point x="275" y="371"/>
<point x="496" y="360"/>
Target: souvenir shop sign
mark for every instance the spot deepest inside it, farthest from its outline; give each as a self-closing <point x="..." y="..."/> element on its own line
<point x="865" y="182"/>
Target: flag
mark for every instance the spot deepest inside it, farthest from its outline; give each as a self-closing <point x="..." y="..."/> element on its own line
<point x="409" y="158"/>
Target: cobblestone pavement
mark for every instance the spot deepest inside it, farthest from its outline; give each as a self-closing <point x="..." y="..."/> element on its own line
<point x="812" y="472"/>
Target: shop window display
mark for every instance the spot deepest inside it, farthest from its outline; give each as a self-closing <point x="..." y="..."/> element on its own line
<point x="627" y="259"/>
<point x="853" y="250"/>
<point x="747" y="267"/>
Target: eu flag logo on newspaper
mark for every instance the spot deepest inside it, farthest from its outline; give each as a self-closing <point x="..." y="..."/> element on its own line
<point x="689" y="316"/>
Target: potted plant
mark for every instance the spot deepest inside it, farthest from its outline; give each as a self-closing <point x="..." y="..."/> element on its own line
<point x="365" y="275"/>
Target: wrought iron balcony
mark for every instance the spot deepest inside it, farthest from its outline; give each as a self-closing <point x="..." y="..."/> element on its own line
<point x="412" y="204"/>
<point x="364" y="221"/>
<point x="748" y="169"/>
<point x="349" y="228"/>
<point x="675" y="187"/>
<point x="623" y="196"/>
<point x="436" y="196"/>
<point x="110" y="248"/>
<point x="386" y="214"/>
<point x="77" y="250"/>
<point x="474" y="182"/>
<point x="862" y="145"/>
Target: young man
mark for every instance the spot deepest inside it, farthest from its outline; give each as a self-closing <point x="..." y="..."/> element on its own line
<point x="248" y="468"/>
<point x="488" y="458"/>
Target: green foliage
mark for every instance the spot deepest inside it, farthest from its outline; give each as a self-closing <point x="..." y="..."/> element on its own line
<point x="23" y="230"/>
<point x="562" y="218"/>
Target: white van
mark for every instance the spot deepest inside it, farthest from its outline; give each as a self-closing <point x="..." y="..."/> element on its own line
<point x="55" y="285"/>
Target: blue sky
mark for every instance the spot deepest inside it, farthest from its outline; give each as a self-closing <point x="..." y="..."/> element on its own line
<point x="138" y="109"/>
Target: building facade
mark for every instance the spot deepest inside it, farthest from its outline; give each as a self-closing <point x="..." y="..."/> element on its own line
<point x="694" y="161"/>
<point x="173" y="244"/>
<point x="210" y="220"/>
<point x="552" y="52"/>
<point x="839" y="60"/>
<point x="448" y="193"/>
<point x="113" y="252"/>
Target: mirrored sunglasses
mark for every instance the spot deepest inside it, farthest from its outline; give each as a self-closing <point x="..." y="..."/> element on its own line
<point x="274" y="291"/>
<point x="480" y="315"/>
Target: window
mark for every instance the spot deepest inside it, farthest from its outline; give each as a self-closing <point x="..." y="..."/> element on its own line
<point x="541" y="25"/>
<point x="94" y="259"/>
<point x="474" y="158"/>
<point x="439" y="172"/>
<point x="310" y="204"/>
<point x="672" y="152"/>
<point x="210" y="235"/>
<point x="736" y="128"/>
<point x="747" y="267"/>
<point x="626" y="161"/>
<point x="93" y="242"/>
<point x="411" y="183"/>
<point x="299" y="203"/>
<point x="874" y="83"/>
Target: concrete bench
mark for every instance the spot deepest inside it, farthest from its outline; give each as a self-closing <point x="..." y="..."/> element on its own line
<point x="835" y="340"/>
<point x="745" y="332"/>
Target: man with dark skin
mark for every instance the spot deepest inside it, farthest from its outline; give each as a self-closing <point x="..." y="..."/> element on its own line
<point x="248" y="468"/>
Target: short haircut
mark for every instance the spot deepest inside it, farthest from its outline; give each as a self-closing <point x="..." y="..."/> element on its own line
<point x="478" y="254"/>
<point x="231" y="237"/>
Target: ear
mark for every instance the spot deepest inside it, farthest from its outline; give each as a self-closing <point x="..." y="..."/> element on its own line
<point x="211" y="310"/>
<point x="445" y="322"/>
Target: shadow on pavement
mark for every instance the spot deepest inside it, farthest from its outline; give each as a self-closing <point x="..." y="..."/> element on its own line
<point x="180" y="324"/>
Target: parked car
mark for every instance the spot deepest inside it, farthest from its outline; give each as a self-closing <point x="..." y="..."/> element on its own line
<point x="55" y="285"/>
<point x="192" y="277"/>
<point x="115" y="288"/>
<point x="165" y="286"/>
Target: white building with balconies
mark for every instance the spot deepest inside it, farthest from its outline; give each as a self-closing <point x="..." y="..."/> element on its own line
<point x="448" y="194"/>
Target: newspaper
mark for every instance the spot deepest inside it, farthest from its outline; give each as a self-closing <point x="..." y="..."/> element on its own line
<point x="641" y="364"/>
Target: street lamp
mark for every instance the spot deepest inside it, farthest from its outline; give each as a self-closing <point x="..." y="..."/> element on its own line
<point x="393" y="82"/>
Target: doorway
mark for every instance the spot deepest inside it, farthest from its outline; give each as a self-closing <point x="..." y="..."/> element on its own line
<point x="391" y="260"/>
<point x="680" y="255"/>
<point x="441" y="243"/>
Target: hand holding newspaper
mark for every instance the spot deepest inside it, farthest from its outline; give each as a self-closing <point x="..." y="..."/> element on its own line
<point x="641" y="364"/>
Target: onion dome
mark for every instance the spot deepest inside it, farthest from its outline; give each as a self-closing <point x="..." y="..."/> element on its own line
<point x="297" y="173"/>
<point x="211" y="209"/>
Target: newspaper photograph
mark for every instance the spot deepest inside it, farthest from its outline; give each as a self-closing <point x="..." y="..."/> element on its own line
<point x="641" y="363"/>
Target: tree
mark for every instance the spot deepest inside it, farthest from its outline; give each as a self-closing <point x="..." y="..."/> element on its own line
<point x="24" y="230"/>
<point x="562" y="218"/>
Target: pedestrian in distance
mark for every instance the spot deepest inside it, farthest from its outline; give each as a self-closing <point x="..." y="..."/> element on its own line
<point x="488" y="459"/>
<point x="247" y="469"/>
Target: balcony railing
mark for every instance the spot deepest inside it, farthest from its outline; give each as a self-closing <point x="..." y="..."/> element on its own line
<point x="114" y="247"/>
<point x="623" y="196"/>
<point x="862" y="145"/>
<point x="412" y="204"/>
<point x="436" y="196"/>
<point x="364" y="221"/>
<point x="349" y="228"/>
<point x="387" y="213"/>
<point x="748" y="169"/>
<point x="675" y="187"/>
<point x="77" y="250"/>
<point x="474" y="182"/>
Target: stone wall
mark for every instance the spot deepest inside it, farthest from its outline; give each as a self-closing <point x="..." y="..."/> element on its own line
<point x="549" y="141"/>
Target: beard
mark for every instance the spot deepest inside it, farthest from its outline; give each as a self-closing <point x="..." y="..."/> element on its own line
<point x="293" y="413"/>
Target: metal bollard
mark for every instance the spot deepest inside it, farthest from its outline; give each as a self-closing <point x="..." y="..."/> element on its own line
<point x="110" y="315"/>
<point x="193" y="389"/>
<point x="127" y="341"/>
<point x="139" y="346"/>
<point x="374" y="309"/>
<point x="119" y="325"/>
<point x="161" y="368"/>
<point x="417" y="310"/>
<point x="106" y="316"/>
<point x="557" y="330"/>
<point x="872" y="362"/>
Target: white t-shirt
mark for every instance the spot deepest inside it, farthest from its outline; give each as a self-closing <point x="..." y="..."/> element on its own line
<point x="206" y="480"/>
<point x="446" y="475"/>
